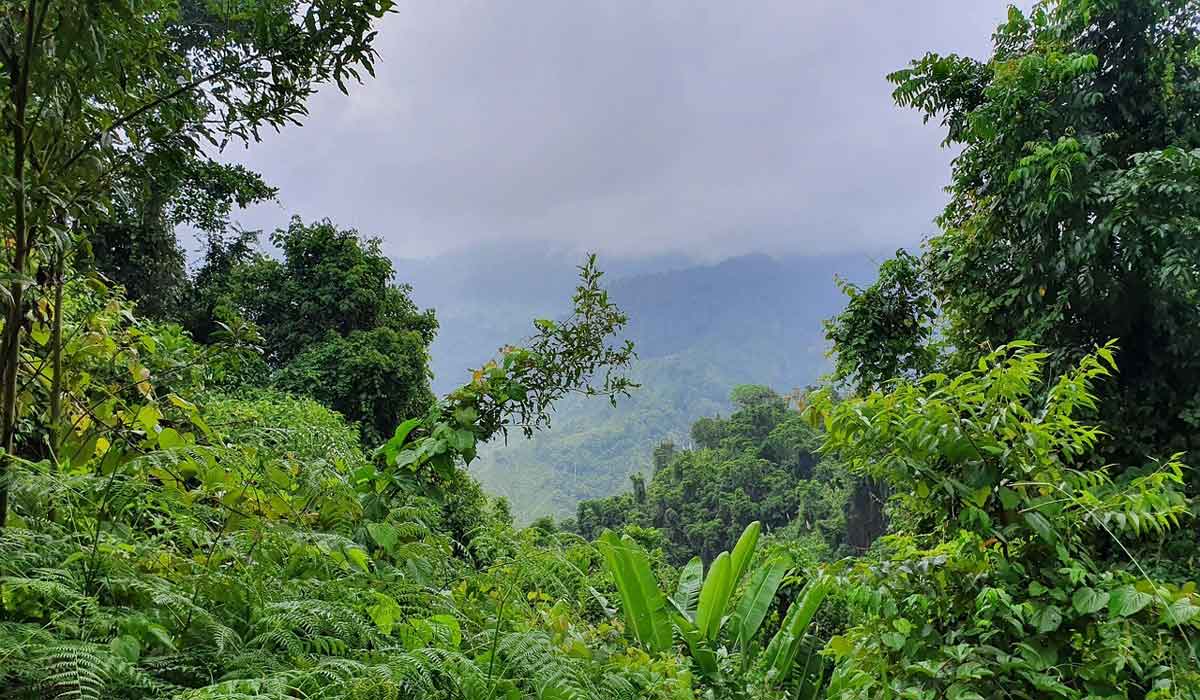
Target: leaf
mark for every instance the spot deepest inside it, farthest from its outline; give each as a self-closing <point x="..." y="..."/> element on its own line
<point x="756" y="600"/>
<point x="147" y="418"/>
<point x="383" y="534"/>
<point x="1088" y="600"/>
<point x="450" y="623"/>
<point x="1041" y="526"/>
<point x="785" y="645"/>
<point x="1179" y="612"/>
<point x="704" y="656"/>
<point x="1126" y="601"/>
<point x="714" y="596"/>
<point x="385" y="612"/>
<point x="127" y="647"/>
<point x="743" y="552"/>
<point x="895" y="640"/>
<point x="359" y="558"/>
<point x="392" y="447"/>
<point x="687" y="593"/>
<point x="169" y="439"/>
<point x="645" y="606"/>
<point x="1047" y="619"/>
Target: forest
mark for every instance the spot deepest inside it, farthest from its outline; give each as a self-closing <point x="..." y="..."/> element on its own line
<point x="234" y="480"/>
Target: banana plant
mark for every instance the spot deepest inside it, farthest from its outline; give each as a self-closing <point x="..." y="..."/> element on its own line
<point x="645" y="608"/>
<point x="703" y="606"/>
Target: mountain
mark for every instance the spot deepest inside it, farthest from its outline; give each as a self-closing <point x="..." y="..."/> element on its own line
<point x="699" y="331"/>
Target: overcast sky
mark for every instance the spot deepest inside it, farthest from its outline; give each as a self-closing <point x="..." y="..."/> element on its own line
<point x="635" y="128"/>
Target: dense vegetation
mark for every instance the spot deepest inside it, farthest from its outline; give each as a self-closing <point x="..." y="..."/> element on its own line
<point x="760" y="464"/>
<point x="699" y="332"/>
<point x="245" y="488"/>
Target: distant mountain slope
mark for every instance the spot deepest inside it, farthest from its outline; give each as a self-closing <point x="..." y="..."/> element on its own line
<point x="699" y="331"/>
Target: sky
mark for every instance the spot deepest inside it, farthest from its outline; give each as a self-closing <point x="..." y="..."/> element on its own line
<point x="634" y="128"/>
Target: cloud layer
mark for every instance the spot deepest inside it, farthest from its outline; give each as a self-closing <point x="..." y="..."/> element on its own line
<point x="635" y="128"/>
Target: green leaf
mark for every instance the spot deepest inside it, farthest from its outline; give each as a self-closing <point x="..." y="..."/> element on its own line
<point x="1041" y="526"/>
<point x="756" y="600"/>
<point x="359" y="558"/>
<point x="1088" y="600"/>
<point x="392" y="447"/>
<point x="895" y="640"/>
<point x="687" y="593"/>
<point x="743" y="551"/>
<point x="703" y="654"/>
<point x="450" y="623"/>
<point x="148" y="417"/>
<point x="1179" y="612"/>
<point x="127" y="647"/>
<point x="169" y="439"/>
<point x="645" y="606"/>
<point x="1047" y="619"/>
<point x="714" y="596"/>
<point x="384" y="535"/>
<point x="785" y="645"/>
<point x="385" y="612"/>
<point x="1126" y="601"/>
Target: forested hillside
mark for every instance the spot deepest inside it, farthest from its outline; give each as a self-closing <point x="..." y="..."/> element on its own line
<point x="759" y="465"/>
<point x="238" y="483"/>
<point x="699" y="330"/>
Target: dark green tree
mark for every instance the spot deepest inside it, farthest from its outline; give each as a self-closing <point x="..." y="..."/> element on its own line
<point x="1074" y="201"/>
<point x="886" y="329"/>
<point x="88" y="89"/>
<point x="334" y="324"/>
<point x="377" y="377"/>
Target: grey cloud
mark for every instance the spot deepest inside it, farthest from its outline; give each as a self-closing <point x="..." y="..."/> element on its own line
<point x="632" y="127"/>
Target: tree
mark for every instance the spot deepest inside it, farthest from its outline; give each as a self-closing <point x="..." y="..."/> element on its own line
<point x="1074" y="201"/>
<point x="759" y="464"/>
<point x="886" y="329"/>
<point x="996" y="579"/>
<point x="334" y="324"/>
<point x="330" y="280"/>
<point x="136" y="245"/>
<point x="88" y="89"/>
<point x="376" y="377"/>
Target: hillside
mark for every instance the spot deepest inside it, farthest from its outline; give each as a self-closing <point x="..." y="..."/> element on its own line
<point x="699" y="331"/>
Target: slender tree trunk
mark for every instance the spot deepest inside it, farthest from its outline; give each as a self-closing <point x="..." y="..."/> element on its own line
<point x="10" y="351"/>
<point x="56" y="383"/>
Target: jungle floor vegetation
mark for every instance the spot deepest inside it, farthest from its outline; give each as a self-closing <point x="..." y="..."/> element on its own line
<point x="236" y="483"/>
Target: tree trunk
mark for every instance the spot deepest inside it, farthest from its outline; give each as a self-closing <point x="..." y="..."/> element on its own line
<point x="10" y="351"/>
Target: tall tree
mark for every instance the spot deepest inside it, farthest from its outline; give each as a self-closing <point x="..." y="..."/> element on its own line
<point x="88" y="88"/>
<point x="334" y="323"/>
<point x="1075" y="200"/>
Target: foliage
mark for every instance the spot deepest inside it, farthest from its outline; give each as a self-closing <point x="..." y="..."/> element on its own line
<point x="574" y="355"/>
<point x="699" y="331"/>
<point x="136" y="243"/>
<point x="997" y="579"/>
<point x="192" y="544"/>
<point x="759" y="464"/>
<point x="886" y="330"/>
<point x="703" y="604"/>
<point x="375" y="376"/>
<point x="334" y="325"/>
<point x="1074" y="200"/>
<point x="91" y="90"/>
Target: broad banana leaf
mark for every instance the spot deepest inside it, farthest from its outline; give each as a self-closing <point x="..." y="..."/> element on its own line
<point x="743" y="551"/>
<point x="782" y="651"/>
<point x="756" y="600"/>
<point x="714" y="597"/>
<point x="687" y="593"/>
<point x="644" y="604"/>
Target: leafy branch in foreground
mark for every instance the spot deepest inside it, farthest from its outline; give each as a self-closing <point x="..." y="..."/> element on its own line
<point x="1008" y="572"/>
<point x="519" y="389"/>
